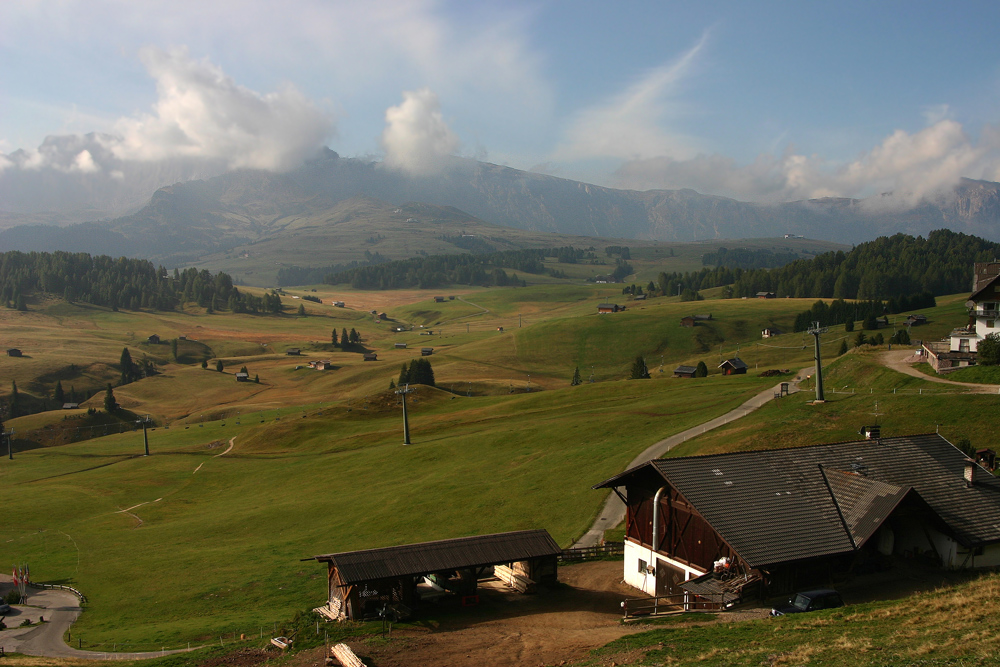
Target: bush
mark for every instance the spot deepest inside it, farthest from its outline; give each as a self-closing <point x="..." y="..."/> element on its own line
<point x="12" y="597"/>
<point x="988" y="351"/>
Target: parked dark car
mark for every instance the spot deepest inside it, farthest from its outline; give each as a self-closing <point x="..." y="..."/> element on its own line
<point x="4" y="607"/>
<point x="824" y="598"/>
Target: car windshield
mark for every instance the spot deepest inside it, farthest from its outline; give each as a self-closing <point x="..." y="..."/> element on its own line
<point x="800" y="602"/>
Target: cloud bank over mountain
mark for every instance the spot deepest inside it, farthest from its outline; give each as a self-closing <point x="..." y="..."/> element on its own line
<point x="417" y="139"/>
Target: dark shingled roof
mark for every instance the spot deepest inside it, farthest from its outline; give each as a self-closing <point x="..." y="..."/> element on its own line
<point x="980" y="293"/>
<point x="735" y="362"/>
<point x="685" y="369"/>
<point x="442" y="555"/>
<point x="781" y="505"/>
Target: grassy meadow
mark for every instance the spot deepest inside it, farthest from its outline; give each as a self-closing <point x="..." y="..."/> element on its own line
<point x="186" y="545"/>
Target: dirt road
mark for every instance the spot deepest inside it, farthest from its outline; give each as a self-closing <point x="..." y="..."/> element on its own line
<point x="902" y="361"/>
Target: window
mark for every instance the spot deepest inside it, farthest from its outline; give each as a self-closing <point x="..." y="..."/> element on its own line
<point x="991" y="324"/>
<point x="642" y="566"/>
<point x="963" y="345"/>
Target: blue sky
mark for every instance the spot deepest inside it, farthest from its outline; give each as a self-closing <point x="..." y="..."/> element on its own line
<point x="756" y="100"/>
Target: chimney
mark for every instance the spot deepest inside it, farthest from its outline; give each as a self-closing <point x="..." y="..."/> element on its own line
<point x="970" y="468"/>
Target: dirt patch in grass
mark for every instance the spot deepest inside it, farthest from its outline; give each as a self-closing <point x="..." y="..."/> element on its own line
<point x="508" y="628"/>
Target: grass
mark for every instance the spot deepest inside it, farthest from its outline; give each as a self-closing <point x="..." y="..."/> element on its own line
<point x="211" y="546"/>
<point x="185" y="545"/>
<point x="949" y="626"/>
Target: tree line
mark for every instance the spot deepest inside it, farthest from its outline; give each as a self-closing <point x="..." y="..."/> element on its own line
<point x="117" y="283"/>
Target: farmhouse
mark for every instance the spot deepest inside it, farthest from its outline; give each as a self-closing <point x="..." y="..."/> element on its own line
<point x="153" y="340"/>
<point x="790" y="518"/>
<point x="609" y="308"/>
<point x="426" y="351"/>
<point x="370" y="356"/>
<point x="960" y="349"/>
<point x="361" y="583"/>
<point x="734" y="366"/>
<point x="13" y="352"/>
<point x="242" y="377"/>
<point x="770" y="333"/>
<point x="766" y="295"/>
<point x="685" y="371"/>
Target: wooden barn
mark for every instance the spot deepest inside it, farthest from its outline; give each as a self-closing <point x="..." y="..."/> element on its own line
<point x="361" y="583"/>
<point x="370" y="356"/>
<point x="293" y="352"/>
<point x="153" y="340"/>
<point x="426" y="351"/>
<point x="242" y="377"/>
<point x="734" y="366"/>
<point x="400" y="346"/>
<point x="13" y="352"/>
<point x="685" y="371"/>
<point x="609" y="308"/>
<point x="687" y="321"/>
<point x="784" y="519"/>
<point x="766" y="295"/>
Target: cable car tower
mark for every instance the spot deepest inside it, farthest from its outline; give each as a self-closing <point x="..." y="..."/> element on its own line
<point x="816" y="331"/>
<point x="403" y="391"/>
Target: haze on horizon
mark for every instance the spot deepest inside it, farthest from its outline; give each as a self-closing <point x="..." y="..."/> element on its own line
<point x="106" y="100"/>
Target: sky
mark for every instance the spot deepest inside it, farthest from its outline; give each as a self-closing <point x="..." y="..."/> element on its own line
<point x="760" y="101"/>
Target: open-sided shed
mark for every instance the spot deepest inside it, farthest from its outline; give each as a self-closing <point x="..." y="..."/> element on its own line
<point x="361" y="583"/>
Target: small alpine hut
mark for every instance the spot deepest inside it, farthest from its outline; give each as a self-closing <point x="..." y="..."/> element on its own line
<point x="426" y="351"/>
<point x="153" y="340"/>
<point x="370" y="356"/>
<point x="685" y="371"/>
<point x="242" y="377"/>
<point x="766" y="295"/>
<point x="13" y="352"/>
<point x="734" y="366"/>
<point x="605" y="308"/>
<point x="363" y="583"/>
<point x="293" y="352"/>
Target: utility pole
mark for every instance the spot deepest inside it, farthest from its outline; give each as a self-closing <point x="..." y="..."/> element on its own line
<point x="9" y="435"/>
<point x="817" y="331"/>
<point x="406" y="422"/>
<point x="145" y="436"/>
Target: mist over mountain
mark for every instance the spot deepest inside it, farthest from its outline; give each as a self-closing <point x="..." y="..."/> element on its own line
<point x="200" y="217"/>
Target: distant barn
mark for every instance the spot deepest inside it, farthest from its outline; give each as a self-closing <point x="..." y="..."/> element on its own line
<point x="293" y="351"/>
<point x="13" y="352"/>
<point x="609" y="308"/>
<point x="734" y="366"/>
<point x="685" y="371"/>
<point x="371" y="356"/>
<point x="426" y="351"/>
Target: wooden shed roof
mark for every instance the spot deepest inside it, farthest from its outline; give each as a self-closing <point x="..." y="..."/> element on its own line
<point x="441" y="555"/>
<point x="781" y="505"/>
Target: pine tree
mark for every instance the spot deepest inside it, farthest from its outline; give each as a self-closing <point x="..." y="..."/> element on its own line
<point x="701" y="370"/>
<point x="204" y="363"/>
<point x="244" y="370"/>
<point x="15" y="407"/>
<point x="355" y="337"/>
<point x="110" y="404"/>
<point x="333" y="337"/>
<point x="129" y="372"/>
<point x="302" y="310"/>
<point x="639" y="370"/>
<point x="576" y="378"/>
<point x="404" y="376"/>
<point x="256" y="378"/>
<point x="218" y="365"/>
<point x="173" y="348"/>
<point x="344" y="340"/>
<point x="843" y="348"/>
<point x="860" y="339"/>
<point x="59" y="394"/>
<point x="392" y="385"/>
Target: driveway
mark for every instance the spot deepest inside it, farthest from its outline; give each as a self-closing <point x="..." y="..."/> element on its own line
<point x="902" y="362"/>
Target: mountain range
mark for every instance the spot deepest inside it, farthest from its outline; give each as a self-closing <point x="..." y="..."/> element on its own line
<point x="192" y="219"/>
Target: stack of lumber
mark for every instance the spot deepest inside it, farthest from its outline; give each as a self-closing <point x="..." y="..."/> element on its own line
<point x="513" y="579"/>
<point x="345" y="656"/>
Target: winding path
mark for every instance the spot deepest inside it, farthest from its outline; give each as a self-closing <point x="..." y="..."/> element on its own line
<point x="901" y="363"/>
<point x="613" y="510"/>
<point x="59" y="609"/>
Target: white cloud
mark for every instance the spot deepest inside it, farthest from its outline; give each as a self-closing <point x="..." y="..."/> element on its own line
<point x="914" y="167"/>
<point x="416" y="138"/>
<point x="202" y="113"/>
<point x="631" y="125"/>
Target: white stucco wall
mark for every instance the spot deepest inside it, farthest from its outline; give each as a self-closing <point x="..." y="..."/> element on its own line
<point x="646" y="582"/>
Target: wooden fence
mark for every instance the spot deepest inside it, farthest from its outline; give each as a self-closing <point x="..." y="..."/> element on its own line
<point x="586" y="553"/>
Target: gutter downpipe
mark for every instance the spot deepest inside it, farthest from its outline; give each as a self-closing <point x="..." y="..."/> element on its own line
<point x="656" y="533"/>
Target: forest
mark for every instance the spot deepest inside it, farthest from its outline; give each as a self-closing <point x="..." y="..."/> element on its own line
<point x="132" y="284"/>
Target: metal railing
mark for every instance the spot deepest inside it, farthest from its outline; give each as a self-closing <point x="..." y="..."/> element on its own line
<point x="59" y="587"/>
<point x="667" y="604"/>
